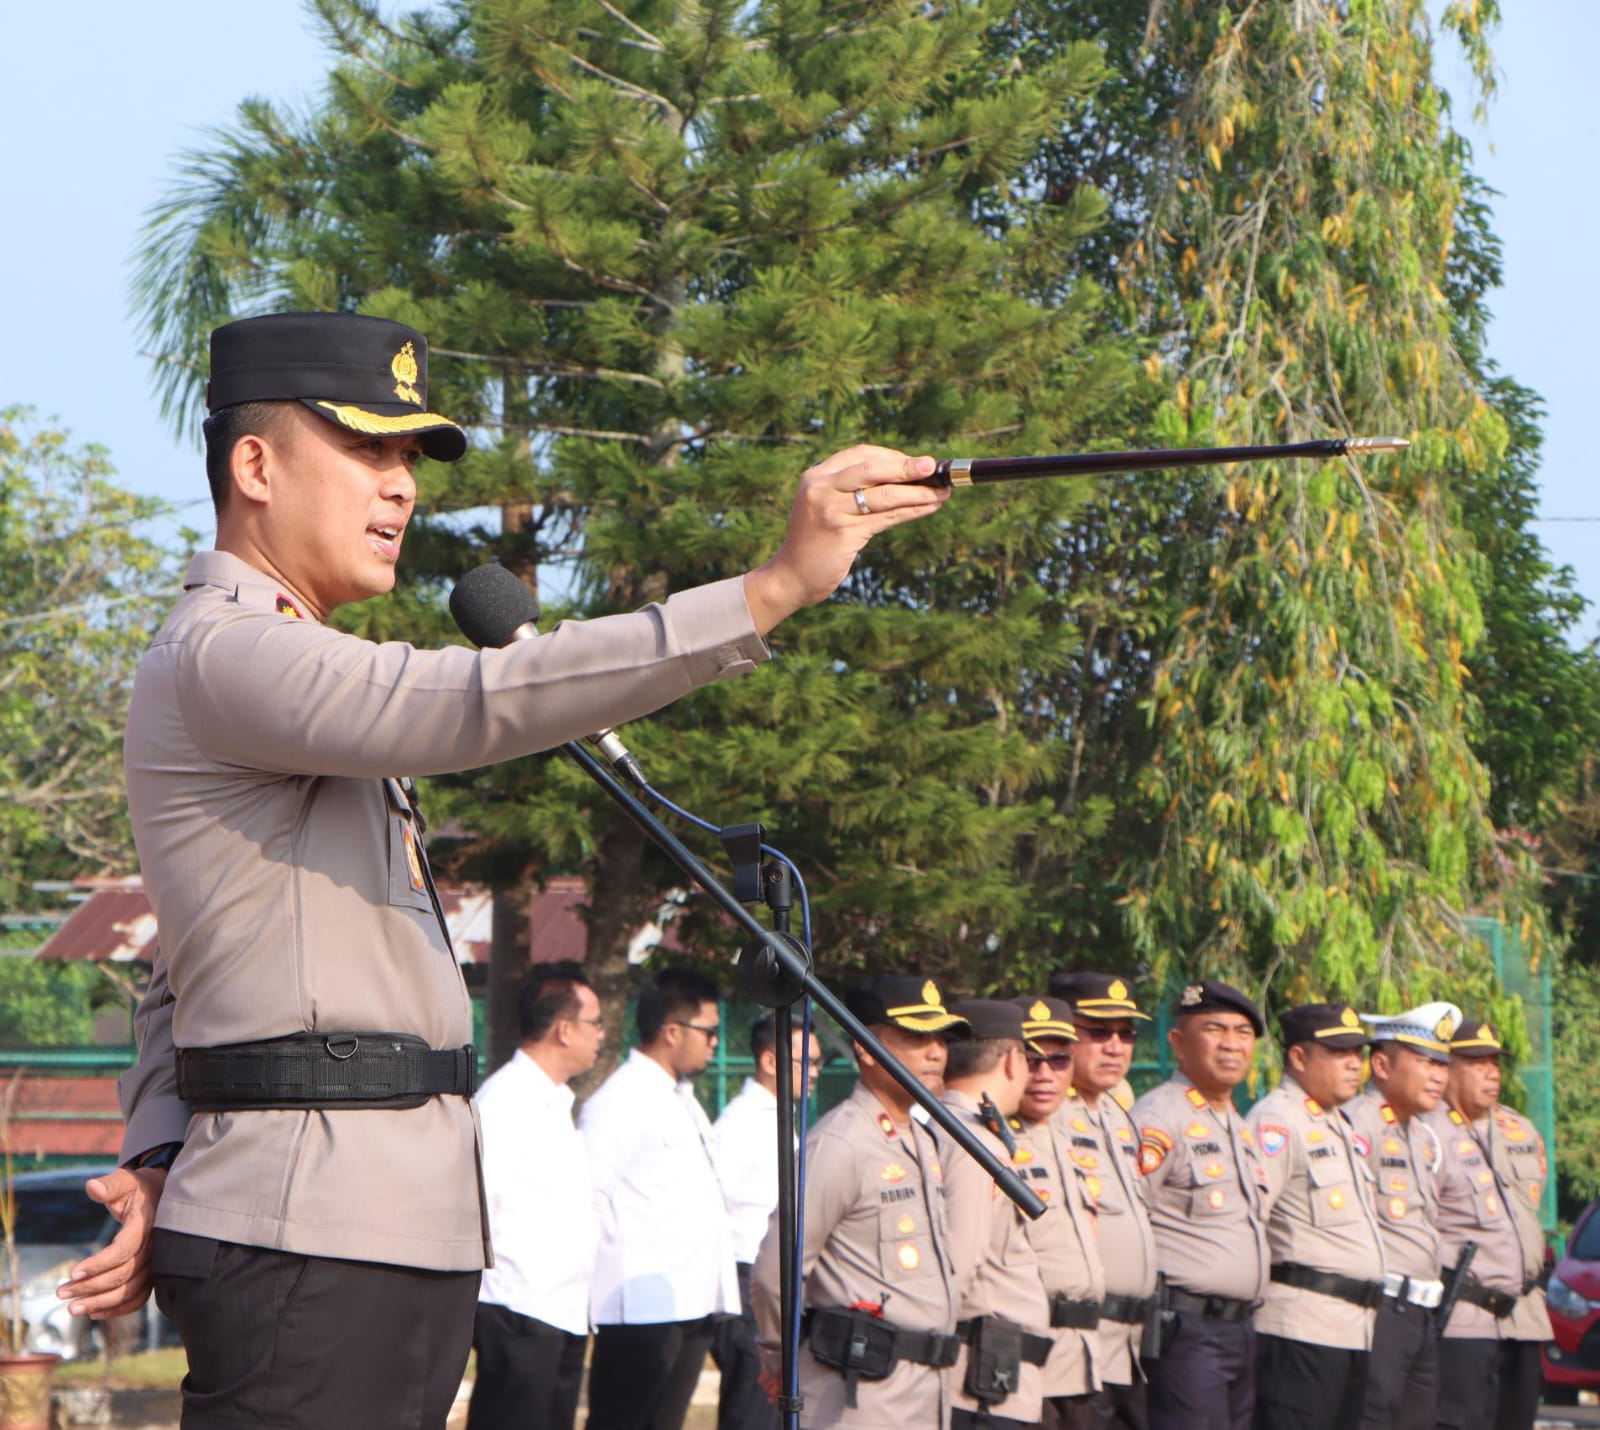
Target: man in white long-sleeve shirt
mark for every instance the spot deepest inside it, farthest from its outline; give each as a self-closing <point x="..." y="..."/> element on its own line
<point x="665" y="1266"/>
<point x="745" y="1142"/>
<point x="532" y="1321"/>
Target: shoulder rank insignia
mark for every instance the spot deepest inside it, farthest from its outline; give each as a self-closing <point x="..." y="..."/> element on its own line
<point x="1313" y="1107"/>
<point x="286" y="607"/>
<point x="1197" y="1099"/>
<point x="886" y="1123"/>
<point x="1386" y="1113"/>
<point x="1456" y="1117"/>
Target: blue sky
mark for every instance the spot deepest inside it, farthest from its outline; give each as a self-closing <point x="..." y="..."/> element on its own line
<point x="163" y="73"/>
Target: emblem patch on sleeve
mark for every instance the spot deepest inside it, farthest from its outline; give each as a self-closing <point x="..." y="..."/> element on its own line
<point x="1273" y="1139"/>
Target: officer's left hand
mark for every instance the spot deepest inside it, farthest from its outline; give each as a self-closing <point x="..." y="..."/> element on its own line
<point x="116" y="1279"/>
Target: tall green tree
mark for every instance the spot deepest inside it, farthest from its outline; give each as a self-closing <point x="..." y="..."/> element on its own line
<point x="81" y="586"/>
<point x="668" y="254"/>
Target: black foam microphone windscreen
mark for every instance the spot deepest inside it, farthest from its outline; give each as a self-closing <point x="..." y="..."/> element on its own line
<point x="491" y="606"/>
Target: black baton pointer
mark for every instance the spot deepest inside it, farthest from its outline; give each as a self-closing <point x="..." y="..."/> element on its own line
<point x="980" y="471"/>
<point x="493" y="608"/>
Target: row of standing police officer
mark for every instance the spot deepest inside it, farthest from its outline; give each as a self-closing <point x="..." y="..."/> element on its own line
<point x="1195" y="1267"/>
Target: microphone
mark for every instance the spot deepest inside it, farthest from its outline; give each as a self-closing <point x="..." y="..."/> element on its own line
<point x="492" y="608"/>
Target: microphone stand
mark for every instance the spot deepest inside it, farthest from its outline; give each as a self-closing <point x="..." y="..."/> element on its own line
<point x="776" y="968"/>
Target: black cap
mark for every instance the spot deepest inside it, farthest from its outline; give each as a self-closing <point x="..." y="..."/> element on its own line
<point x="993" y="1018"/>
<point x="1329" y="1025"/>
<point x="365" y="374"/>
<point x="1475" y="1040"/>
<point x="908" y="1000"/>
<point x="1207" y="996"/>
<point x="1047" y="1018"/>
<point x="1096" y="995"/>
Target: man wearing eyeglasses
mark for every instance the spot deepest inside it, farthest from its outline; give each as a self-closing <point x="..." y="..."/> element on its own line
<point x="532" y="1322"/>
<point x="1105" y="1146"/>
<point x="1065" y="1238"/>
<point x="665" y="1266"/>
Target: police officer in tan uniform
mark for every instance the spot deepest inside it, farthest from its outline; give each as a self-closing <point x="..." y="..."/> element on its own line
<point x="997" y="1383"/>
<point x="1314" y="1330"/>
<point x="1478" y="1355"/>
<point x="316" y="1131"/>
<point x="1201" y="1175"/>
<point x="1066" y="1238"/>
<point x="1105" y="1142"/>
<point x="877" y="1261"/>
<point x="1410" y="1064"/>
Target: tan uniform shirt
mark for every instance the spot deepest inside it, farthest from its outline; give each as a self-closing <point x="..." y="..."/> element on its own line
<point x="875" y="1235"/>
<point x="1201" y="1173"/>
<point x="1105" y="1149"/>
<point x="1317" y="1193"/>
<point x="997" y="1269"/>
<point x="285" y="875"/>
<point x="1066" y="1242"/>
<point x="1400" y="1156"/>
<point x="1473" y="1207"/>
<point x="1519" y="1161"/>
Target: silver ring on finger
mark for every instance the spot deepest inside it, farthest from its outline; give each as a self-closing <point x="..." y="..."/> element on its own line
<point x="861" y="501"/>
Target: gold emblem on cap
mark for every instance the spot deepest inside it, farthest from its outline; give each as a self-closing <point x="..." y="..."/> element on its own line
<point x="1191" y="995"/>
<point x="1040" y="1012"/>
<point x="1118" y="989"/>
<point x="1446" y="1028"/>
<point x="930" y="994"/>
<point x="1349" y="1019"/>
<point x="404" y="368"/>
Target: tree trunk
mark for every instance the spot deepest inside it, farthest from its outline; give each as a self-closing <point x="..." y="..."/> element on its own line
<point x="617" y="906"/>
<point x="508" y="965"/>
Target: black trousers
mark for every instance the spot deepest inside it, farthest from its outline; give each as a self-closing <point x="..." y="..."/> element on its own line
<point x="529" y="1373"/>
<point x="1307" y="1387"/>
<point x="1112" y="1407"/>
<point x="961" y="1419"/>
<point x="1403" y="1375"/>
<point x="310" y="1343"/>
<point x="741" y="1404"/>
<point x="1469" y="1383"/>
<point x="643" y="1377"/>
<point x="1521" y="1385"/>
<point x="1205" y="1378"/>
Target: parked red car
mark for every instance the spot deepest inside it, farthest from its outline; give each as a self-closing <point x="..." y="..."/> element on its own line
<point x="1572" y="1359"/>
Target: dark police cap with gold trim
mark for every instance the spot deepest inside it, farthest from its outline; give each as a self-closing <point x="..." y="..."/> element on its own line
<point x="1474" y="1039"/>
<point x="1096" y="995"/>
<point x="1208" y="996"/>
<point x="1047" y="1018"/>
<point x="1330" y="1025"/>
<point x="908" y="1000"/>
<point x="995" y="1018"/>
<point x="368" y="375"/>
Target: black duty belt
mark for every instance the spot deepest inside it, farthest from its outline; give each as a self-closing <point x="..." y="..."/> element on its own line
<point x="1537" y="1282"/>
<point x="1210" y="1308"/>
<point x="1498" y="1304"/>
<point x="1066" y="1310"/>
<point x="920" y="1347"/>
<point x="1131" y="1309"/>
<point x="1367" y="1294"/>
<point x="342" y="1070"/>
<point x="1035" y="1349"/>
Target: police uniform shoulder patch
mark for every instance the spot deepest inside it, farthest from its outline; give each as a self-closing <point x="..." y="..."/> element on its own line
<point x="1154" y="1145"/>
<point x="1273" y="1139"/>
<point x="1362" y="1145"/>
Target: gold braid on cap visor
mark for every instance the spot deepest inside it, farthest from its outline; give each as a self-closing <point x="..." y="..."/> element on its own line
<point x="376" y="425"/>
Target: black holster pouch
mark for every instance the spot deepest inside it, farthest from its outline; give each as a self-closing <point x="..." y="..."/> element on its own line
<point x="1152" y="1338"/>
<point x="994" y="1360"/>
<point x="855" y="1343"/>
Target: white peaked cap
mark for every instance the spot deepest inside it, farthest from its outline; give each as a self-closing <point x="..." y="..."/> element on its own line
<point x="1428" y="1029"/>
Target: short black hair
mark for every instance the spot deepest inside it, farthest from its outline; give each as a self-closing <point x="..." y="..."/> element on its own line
<point x="970" y="1056"/>
<point x="222" y="431"/>
<point x="763" y="1035"/>
<point x="549" y="994"/>
<point x="669" y="995"/>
